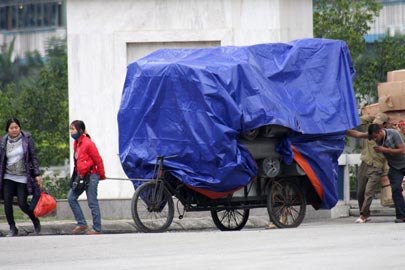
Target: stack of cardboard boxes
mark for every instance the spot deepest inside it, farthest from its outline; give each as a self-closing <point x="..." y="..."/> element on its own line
<point x="391" y="95"/>
<point x="391" y="101"/>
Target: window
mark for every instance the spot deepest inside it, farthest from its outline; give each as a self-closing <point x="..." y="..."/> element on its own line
<point x="3" y="19"/>
<point x="31" y="14"/>
<point x="39" y="17"/>
<point x="13" y="17"/>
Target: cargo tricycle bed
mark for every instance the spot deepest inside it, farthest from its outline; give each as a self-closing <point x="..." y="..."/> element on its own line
<point x="259" y="126"/>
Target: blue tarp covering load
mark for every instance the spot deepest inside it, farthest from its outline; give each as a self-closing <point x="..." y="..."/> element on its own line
<point x="196" y="102"/>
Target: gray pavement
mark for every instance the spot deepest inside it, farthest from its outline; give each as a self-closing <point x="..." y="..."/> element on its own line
<point x="64" y="227"/>
<point x="326" y="244"/>
<point x="63" y="223"/>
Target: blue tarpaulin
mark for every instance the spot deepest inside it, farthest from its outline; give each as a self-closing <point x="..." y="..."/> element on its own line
<point x="194" y="103"/>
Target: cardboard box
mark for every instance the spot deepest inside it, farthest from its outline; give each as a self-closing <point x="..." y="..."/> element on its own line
<point x="395" y="117"/>
<point x="396" y="75"/>
<point x="391" y="103"/>
<point x="372" y="109"/>
<point x="391" y="96"/>
<point x="391" y="88"/>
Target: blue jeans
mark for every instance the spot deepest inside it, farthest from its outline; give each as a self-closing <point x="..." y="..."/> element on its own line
<point x="396" y="177"/>
<point x="91" y="192"/>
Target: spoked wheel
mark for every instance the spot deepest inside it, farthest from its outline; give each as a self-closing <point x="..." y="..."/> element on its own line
<point x="152" y="207"/>
<point x="286" y="204"/>
<point x="230" y="220"/>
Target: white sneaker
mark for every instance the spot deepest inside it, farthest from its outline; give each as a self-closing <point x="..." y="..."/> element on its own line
<point x="270" y="226"/>
<point x="362" y="220"/>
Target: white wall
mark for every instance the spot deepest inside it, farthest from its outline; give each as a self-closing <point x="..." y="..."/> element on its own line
<point x="103" y="36"/>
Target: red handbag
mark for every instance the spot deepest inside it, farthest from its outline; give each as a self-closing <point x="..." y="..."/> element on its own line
<point x="46" y="204"/>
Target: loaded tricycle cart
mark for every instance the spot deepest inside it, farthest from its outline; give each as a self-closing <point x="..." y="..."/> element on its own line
<point x="283" y="189"/>
<point x="229" y="129"/>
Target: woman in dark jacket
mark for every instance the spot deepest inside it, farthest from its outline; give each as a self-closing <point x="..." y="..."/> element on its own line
<point x="19" y="172"/>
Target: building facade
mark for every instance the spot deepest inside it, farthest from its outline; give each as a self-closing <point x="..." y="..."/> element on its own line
<point x="105" y="36"/>
<point x="31" y="23"/>
<point x="391" y="20"/>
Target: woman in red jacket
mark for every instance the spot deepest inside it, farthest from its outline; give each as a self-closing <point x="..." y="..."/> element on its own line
<point x="87" y="160"/>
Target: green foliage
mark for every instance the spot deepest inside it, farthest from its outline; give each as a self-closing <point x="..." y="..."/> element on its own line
<point x="346" y="20"/>
<point x="15" y="71"/>
<point x="57" y="187"/>
<point x="6" y="104"/>
<point x="47" y="116"/>
<point x="8" y="70"/>
<point x="349" y="21"/>
<point x="39" y="99"/>
<point x="384" y="55"/>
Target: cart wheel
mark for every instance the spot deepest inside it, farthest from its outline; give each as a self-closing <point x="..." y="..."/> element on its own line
<point x="286" y="204"/>
<point x="230" y="220"/>
<point x="152" y="207"/>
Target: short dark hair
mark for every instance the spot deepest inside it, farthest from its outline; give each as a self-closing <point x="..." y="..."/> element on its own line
<point x="12" y="120"/>
<point x="373" y="128"/>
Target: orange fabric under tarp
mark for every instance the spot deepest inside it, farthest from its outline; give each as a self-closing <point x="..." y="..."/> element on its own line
<point x="212" y="194"/>
<point x="297" y="157"/>
<point x="308" y="170"/>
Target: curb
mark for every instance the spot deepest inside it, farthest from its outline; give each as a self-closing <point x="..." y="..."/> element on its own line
<point x="125" y="226"/>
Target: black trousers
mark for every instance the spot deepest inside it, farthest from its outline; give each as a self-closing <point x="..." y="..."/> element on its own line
<point x="11" y="189"/>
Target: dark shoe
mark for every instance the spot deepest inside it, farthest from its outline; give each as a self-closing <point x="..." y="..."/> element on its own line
<point x="400" y="220"/>
<point x="80" y="229"/>
<point x="37" y="226"/>
<point x="93" y="232"/>
<point x="13" y="232"/>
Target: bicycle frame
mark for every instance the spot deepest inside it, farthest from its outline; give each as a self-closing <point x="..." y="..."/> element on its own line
<point x="153" y="206"/>
<point x="159" y="178"/>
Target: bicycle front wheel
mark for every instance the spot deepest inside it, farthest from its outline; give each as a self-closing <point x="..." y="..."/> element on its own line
<point x="230" y="219"/>
<point x="152" y="207"/>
